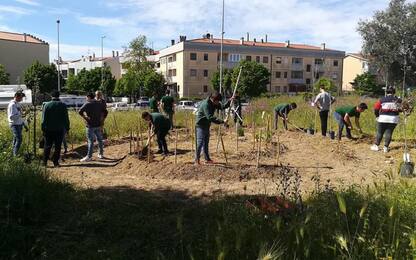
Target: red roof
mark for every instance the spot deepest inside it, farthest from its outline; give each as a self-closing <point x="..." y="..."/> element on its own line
<point x="259" y="44"/>
<point x="18" y="37"/>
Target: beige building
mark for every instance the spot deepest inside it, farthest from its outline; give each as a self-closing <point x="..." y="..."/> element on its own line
<point x="20" y="51"/>
<point x="188" y="65"/>
<point x="354" y="65"/>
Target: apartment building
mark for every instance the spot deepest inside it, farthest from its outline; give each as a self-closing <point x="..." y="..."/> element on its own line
<point x="90" y="62"/>
<point x="20" y="51"/>
<point x="354" y="64"/>
<point x="188" y="65"/>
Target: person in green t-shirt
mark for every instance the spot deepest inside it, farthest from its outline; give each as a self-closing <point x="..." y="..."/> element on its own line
<point x="282" y="110"/>
<point x="161" y="126"/>
<point x="168" y="103"/>
<point x="343" y="117"/>
<point x="154" y="104"/>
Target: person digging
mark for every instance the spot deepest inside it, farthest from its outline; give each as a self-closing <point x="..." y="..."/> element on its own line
<point x="343" y="117"/>
<point x="282" y="110"/>
<point x="161" y="126"/>
<point x="204" y="118"/>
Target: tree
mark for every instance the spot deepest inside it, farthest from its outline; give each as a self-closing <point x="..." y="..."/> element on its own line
<point x="367" y="84"/>
<point x="254" y="78"/>
<point x="4" y="76"/>
<point x="153" y="83"/>
<point x="41" y="78"/>
<point x="390" y="38"/>
<point x="90" y="81"/>
<point x="329" y="85"/>
<point x="226" y="81"/>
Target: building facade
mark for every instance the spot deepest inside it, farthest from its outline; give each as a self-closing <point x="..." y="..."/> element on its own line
<point x="20" y="51"/>
<point x="354" y="65"/>
<point x="188" y="65"/>
<point x="114" y="62"/>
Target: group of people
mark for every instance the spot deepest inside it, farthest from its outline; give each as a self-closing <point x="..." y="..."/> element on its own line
<point x="386" y="111"/>
<point x="55" y="120"/>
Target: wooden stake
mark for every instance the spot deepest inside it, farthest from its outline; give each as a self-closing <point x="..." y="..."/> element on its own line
<point x="259" y="149"/>
<point x="254" y="135"/>
<point x="131" y="139"/>
<point x="149" y="146"/>
<point x="116" y="126"/>
<point x="278" y="150"/>
<point x="176" y="146"/>
<point x="218" y="137"/>
<point x="236" y="136"/>
<point x="223" y="150"/>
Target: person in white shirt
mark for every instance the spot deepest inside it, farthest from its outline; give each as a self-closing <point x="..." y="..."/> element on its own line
<point x="16" y="121"/>
<point x="323" y="102"/>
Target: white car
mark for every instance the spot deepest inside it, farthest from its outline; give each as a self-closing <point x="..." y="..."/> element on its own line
<point x="186" y="105"/>
<point x="121" y="106"/>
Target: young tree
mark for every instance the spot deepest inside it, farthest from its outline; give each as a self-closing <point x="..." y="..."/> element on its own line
<point x="226" y="81"/>
<point x="390" y="38"/>
<point x="367" y="84"/>
<point x="43" y="76"/>
<point x="153" y="83"/>
<point x="4" y="76"/>
<point x="253" y="80"/>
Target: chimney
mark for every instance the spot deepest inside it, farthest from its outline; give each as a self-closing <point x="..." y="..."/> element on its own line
<point x="323" y="46"/>
<point x="172" y="42"/>
<point x="117" y="53"/>
<point x="254" y="40"/>
<point x="242" y="41"/>
<point x="266" y="37"/>
<point x="248" y="36"/>
<point x="262" y="41"/>
<point x="182" y="38"/>
<point x="113" y="54"/>
<point x="287" y="45"/>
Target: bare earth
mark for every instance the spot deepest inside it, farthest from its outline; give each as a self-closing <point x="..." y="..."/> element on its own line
<point x="304" y="159"/>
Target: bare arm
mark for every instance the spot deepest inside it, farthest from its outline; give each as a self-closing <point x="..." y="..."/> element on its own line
<point x="348" y="121"/>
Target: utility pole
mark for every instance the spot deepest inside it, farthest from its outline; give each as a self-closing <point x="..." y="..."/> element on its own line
<point x="59" y="58"/>
<point x="222" y="42"/>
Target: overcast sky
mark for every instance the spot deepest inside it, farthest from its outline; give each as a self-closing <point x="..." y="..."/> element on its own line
<point x="84" y="22"/>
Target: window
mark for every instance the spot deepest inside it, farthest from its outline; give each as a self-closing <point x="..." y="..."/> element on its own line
<point x="170" y="59"/>
<point x="193" y="73"/>
<point x="234" y="57"/>
<point x="319" y="61"/>
<point x="297" y="75"/>
<point x="265" y="59"/>
<point x="157" y="65"/>
<point x="285" y="89"/>
<point x="248" y="58"/>
<point x="308" y="81"/>
<point x="335" y="63"/>
<point x="205" y="73"/>
<point x="174" y="72"/>
<point x="193" y="56"/>
<point x="169" y="73"/>
<point x="64" y="73"/>
<point x="335" y="76"/>
<point x="277" y="89"/>
<point x="205" y="56"/>
<point x="205" y="88"/>
<point x="257" y="58"/>
<point x="297" y="61"/>
<point x="308" y="68"/>
<point x="278" y="74"/>
<point x="285" y="75"/>
<point x="279" y="60"/>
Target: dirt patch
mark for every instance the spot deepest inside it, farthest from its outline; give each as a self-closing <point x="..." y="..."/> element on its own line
<point x="304" y="161"/>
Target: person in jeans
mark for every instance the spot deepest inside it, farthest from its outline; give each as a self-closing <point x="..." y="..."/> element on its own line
<point x="55" y="124"/>
<point x="387" y="111"/>
<point x="161" y="126"/>
<point x="204" y="118"/>
<point x="16" y="121"/>
<point x="282" y="110"/>
<point x="323" y="102"/>
<point x="93" y="112"/>
<point x="168" y="103"/>
<point x="343" y="117"/>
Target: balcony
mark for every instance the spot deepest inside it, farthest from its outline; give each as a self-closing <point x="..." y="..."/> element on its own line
<point x="297" y="66"/>
<point x="296" y="81"/>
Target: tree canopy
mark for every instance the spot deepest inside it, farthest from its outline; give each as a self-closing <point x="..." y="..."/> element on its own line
<point x="45" y="77"/>
<point x="367" y="84"/>
<point x="90" y="81"/>
<point x="328" y="83"/>
<point x="4" y="76"/>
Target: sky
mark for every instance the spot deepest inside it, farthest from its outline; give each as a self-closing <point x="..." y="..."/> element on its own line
<point x="83" y="23"/>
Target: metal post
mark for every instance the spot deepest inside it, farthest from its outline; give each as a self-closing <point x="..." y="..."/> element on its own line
<point x="102" y="61"/>
<point x="222" y="41"/>
<point x="59" y="58"/>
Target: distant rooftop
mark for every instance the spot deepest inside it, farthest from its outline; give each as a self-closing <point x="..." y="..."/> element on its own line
<point x="20" y="37"/>
<point x="258" y="43"/>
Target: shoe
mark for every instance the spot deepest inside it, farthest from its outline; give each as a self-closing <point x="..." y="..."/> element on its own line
<point x="66" y="151"/>
<point x="197" y="162"/>
<point x="166" y="153"/>
<point x="100" y="156"/>
<point x="159" y="152"/>
<point x="385" y="149"/>
<point x="86" y="159"/>
<point x="374" y="147"/>
<point x="56" y="165"/>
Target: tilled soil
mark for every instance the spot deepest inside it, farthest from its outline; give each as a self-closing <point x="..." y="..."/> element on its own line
<point x="304" y="163"/>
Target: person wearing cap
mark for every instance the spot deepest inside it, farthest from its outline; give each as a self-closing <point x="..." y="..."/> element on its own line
<point x="343" y="117"/>
<point x="323" y="102"/>
<point x="168" y="106"/>
<point x="55" y="124"/>
<point x="16" y="121"/>
<point x="161" y="126"/>
<point x="93" y="112"/>
<point x="204" y="118"/>
<point x="282" y="110"/>
<point x="387" y="111"/>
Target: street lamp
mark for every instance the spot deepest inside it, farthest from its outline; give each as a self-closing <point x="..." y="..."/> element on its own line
<point x="59" y="58"/>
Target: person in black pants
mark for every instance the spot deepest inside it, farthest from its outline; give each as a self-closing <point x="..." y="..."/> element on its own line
<point x="55" y="122"/>
<point x="323" y="102"/>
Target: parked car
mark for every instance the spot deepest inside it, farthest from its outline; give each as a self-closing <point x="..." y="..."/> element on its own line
<point x="186" y="105"/>
<point x="141" y="104"/>
<point x="120" y="106"/>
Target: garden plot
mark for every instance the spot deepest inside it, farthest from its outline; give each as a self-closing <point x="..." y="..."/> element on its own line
<point x="304" y="162"/>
